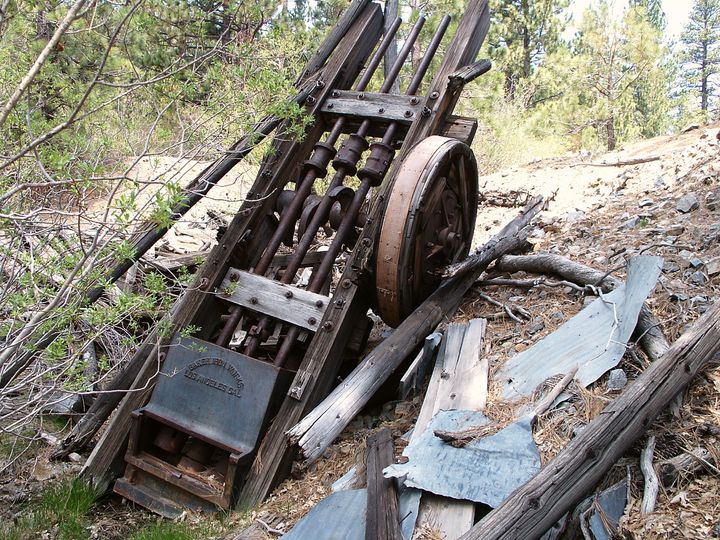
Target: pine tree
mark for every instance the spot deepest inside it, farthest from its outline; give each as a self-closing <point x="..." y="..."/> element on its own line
<point x="701" y="38"/>
<point x="522" y="33"/>
<point x="655" y="12"/>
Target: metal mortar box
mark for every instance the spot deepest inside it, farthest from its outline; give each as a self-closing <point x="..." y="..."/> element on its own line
<point x="215" y="394"/>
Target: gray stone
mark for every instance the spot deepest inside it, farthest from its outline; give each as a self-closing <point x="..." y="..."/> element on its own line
<point x="712" y="200"/>
<point x="712" y="267"/>
<point x="617" y="380"/>
<point x="558" y="316"/>
<point x="678" y="297"/>
<point x="630" y="223"/>
<point x="695" y="262"/>
<point x="688" y="203"/>
<point x="659" y="182"/>
<point x="675" y="230"/>
<point x="645" y="202"/>
<point x="698" y="278"/>
<point x="538" y="325"/>
<point x="669" y="267"/>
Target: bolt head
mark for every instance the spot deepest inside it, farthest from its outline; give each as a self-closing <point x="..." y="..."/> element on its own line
<point x="319" y="303"/>
<point x="253" y="300"/>
<point x="312" y="321"/>
<point x="288" y="294"/>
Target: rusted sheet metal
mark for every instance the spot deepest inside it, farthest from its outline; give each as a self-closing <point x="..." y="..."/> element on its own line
<point x="341" y="515"/>
<point x="485" y="471"/>
<point x="594" y="340"/>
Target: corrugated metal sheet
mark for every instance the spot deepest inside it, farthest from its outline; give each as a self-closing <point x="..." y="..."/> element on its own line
<point x="485" y="471"/>
<point x="594" y="339"/>
<point x="341" y="516"/>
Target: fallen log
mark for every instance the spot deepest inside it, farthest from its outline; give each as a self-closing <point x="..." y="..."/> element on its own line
<point x="324" y="423"/>
<point x="651" y="337"/>
<point x="685" y="465"/>
<point x="535" y="507"/>
<point x="383" y="516"/>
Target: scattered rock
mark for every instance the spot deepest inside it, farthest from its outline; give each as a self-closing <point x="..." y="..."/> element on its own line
<point x="630" y="224"/>
<point x="690" y="127"/>
<point x="675" y="230"/>
<point x="617" y="380"/>
<point x="698" y="278"/>
<point x="659" y="182"/>
<point x="538" y="325"/>
<point x="645" y="202"/>
<point x="688" y="203"/>
<point x="558" y="316"/>
<point x="712" y="200"/>
<point x="685" y="257"/>
<point x="712" y="267"/>
<point x="678" y="297"/>
<point x="695" y="262"/>
<point x="669" y="267"/>
<point x="75" y="457"/>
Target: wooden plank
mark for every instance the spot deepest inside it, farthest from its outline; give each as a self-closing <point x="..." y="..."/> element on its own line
<point x="245" y="235"/>
<point x="561" y="484"/>
<point x="284" y="302"/>
<point x="463" y="387"/>
<point x="461" y="128"/>
<point x="381" y="108"/>
<point x="383" y="517"/>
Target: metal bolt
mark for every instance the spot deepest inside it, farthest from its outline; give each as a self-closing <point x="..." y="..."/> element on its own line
<point x="320" y="84"/>
<point x="361" y="96"/>
<point x="366" y="242"/>
<point x="319" y="304"/>
<point x="253" y="300"/>
<point x="434" y="95"/>
<point x="414" y="101"/>
<point x="267" y="173"/>
<point x="288" y="294"/>
<point x="234" y="277"/>
<point x="328" y="325"/>
<point x="331" y="106"/>
<point x="311" y="100"/>
<point x="408" y="114"/>
<point x="425" y="112"/>
<point x="312" y="321"/>
<point x="335" y="93"/>
<point x="340" y="302"/>
<point x="381" y="110"/>
<point x="346" y="284"/>
<point x="204" y="283"/>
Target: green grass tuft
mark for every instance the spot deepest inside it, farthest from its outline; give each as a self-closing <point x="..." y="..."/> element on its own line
<point x="164" y="530"/>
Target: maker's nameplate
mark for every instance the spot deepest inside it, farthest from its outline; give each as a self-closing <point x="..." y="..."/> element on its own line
<point x="192" y="374"/>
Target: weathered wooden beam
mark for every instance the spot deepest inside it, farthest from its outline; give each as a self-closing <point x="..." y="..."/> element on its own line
<point x="383" y="516"/>
<point x="470" y="72"/>
<point x="382" y="109"/>
<point x="264" y="295"/>
<point x="240" y="244"/>
<point x="463" y="386"/>
<point x="566" y="480"/>
<point x="319" y="428"/>
<point x="461" y="128"/>
<point x="331" y="41"/>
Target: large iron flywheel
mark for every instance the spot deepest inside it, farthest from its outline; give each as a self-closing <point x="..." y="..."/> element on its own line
<point x="428" y="223"/>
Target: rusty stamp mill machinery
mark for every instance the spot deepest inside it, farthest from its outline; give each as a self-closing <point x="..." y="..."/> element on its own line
<point x="284" y="298"/>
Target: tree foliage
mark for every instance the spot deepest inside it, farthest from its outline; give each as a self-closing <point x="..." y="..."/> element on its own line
<point x="702" y="50"/>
